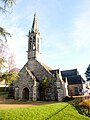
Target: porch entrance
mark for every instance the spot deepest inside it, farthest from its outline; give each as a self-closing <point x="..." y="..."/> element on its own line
<point x="25" y="94"/>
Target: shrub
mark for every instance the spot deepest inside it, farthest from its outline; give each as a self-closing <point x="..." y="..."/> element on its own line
<point x="66" y="99"/>
<point x="82" y="108"/>
<point x="86" y="105"/>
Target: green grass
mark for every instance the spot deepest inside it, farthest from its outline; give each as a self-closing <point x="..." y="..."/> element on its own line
<point x="56" y="111"/>
<point x="3" y="94"/>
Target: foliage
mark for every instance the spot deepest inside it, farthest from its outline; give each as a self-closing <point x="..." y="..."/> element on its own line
<point x="57" y="111"/>
<point x="86" y="105"/>
<point x="42" y="88"/>
<point x="3" y="33"/>
<point x="44" y="82"/>
<point x="4" y="4"/>
<point x="2" y="63"/>
<point x="3" y="94"/>
<point x="85" y="102"/>
<point x="66" y="99"/>
<point x="83" y="108"/>
<point x="3" y="48"/>
<point x="7" y="63"/>
<point x="87" y="73"/>
<point x="8" y="77"/>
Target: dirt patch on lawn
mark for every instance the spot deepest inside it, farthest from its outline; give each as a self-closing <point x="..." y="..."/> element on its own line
<point x="11" y="103"/>
<point x="9" y="106"/>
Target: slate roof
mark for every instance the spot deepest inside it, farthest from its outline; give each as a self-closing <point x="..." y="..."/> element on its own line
<point x="45" y="66"/>
<point x="54" y="72"/>
<point x="67" y="73"/>
<point x="77" y="79"/>
<point x="72" y="76"/>
<point x="39" y="70"/>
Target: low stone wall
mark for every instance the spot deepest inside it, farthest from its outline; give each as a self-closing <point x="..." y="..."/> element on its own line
<point x="81" y="98"/>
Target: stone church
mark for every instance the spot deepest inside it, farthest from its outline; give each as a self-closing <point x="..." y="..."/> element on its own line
<point x="36" y="81"/>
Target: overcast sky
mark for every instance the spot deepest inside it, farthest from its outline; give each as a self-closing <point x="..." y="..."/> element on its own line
<point x="64" y="26"/>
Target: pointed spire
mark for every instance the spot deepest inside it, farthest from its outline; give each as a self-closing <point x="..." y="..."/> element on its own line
<point x="34" y="25"/>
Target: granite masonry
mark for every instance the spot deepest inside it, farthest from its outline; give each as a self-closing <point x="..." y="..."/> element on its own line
<point x="36" y="81"/>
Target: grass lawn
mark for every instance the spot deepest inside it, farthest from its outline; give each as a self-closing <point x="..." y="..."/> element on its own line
<point x="56" y="111"/>
<point x="3" y="94"/>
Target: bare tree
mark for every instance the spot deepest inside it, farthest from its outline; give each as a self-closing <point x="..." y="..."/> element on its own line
<point x="11" y="62"/>
<point x="3" y="54"/>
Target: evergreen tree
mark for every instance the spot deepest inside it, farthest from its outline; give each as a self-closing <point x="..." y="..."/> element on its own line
<point x="4" y="5"/>
<point x="87" y="73"/>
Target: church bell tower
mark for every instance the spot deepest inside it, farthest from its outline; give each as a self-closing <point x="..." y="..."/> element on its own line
<point x="34" y="41"/>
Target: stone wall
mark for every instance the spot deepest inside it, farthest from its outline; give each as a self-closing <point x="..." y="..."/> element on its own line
<point x="30" y="79"/>
<point x="40" y="72"/>
<point x="71" y="89"/>
<point x="24" y="81"/>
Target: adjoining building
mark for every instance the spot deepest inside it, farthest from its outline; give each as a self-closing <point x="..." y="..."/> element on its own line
<point x="75" y="81"/>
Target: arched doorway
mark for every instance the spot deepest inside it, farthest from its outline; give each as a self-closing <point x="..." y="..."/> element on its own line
<point x="25" y="94"/>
